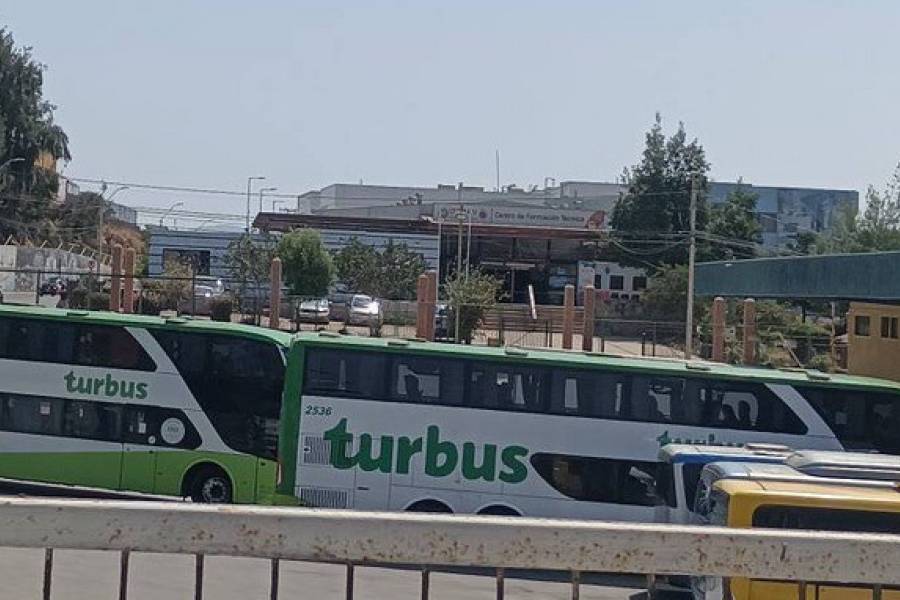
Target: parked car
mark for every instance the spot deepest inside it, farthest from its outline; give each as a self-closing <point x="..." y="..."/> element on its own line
<point x="364" y="311"/>
<point x="315" y="310"/>
<point x="54" y="286"/>
<point x="339" y="304"/>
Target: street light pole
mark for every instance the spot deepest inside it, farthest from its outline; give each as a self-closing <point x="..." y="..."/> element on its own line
<point x="263" y="191"/>
<point x="166" y="214"/>
<point x="102" y="210"/>
<point x="249" y="183"/>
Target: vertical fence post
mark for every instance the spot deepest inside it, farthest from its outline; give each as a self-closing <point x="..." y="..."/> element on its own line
<point x="421" y="300"/>
<point x="568" y="316"/>
<point x="718" y="329"/>
<point x="587" y="330"/>
<point x="128" y="299"/>
<point x="275" y="295"/>
<point x="749" y="331"/>
<point x="430" y="303"/>
<point x="115" y="288"/>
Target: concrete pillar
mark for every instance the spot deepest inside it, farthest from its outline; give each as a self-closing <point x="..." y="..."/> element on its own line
<point x="749" y="331"/>
<point x="587" y="331"/>
<point x="128" y="296"/>
<point x="275" y="295"/>
<point x="421" y="309"/>
<point x="115" y="287"/>
<point x="718" y="329"/>
<point x="568" y="316"/>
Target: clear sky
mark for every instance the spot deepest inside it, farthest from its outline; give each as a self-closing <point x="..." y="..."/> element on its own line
<point x="205" y="93"/>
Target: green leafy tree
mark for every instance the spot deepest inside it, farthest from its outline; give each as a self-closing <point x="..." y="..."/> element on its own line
<point x="249" y="262"/>
<point x="470" y="297"/>
<point x="876" y="229"/>
<point x="307" y="265"/>
<point x="651" y="219"/>
<point x="733" y="230"/>
<point x="27" y="132"/>
<point x="388" y="274"/>
<point x="665" y="298"/>
<point x="399" y="269"/>
<point x="78" y="218"/>
<point x="357" y="267"/>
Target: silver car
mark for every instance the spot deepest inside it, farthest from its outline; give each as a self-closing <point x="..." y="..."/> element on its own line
<point x="315" y="310"/>
<point x="364" y="311"/>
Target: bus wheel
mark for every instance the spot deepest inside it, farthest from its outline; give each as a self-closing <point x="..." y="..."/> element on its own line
<point x="429" y="506"/>
<point x="499" y="511"/>
<point x="210" y="485"/>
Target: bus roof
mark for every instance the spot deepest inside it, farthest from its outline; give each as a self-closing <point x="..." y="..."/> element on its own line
<point x="568" y="358"/>
<point x="123" y="320"/>
<point x="814" y="495"/>
<point x="702" y="454"/>
<point x="846" y="464"/>
<point x="721" y="471"/>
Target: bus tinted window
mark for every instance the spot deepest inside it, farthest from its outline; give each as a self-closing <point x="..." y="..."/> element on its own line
<point x="60" y="417"/>
<point x="590" y="394"/>
<point x="426" y="380"/>
<point x="341" y="373"/>
<point x="236" y="381"/>
<point x="158" y="426"/>
<point x="826" y="519"/>
<point x="861" y="420"/>
<point x="746" y="406"/>
<point x="508" y="387"/>
<point x="601" y="479"/>
<point x="57" y="342"/>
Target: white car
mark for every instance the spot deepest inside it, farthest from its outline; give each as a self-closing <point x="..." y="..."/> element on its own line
<point x="315" y="310"/>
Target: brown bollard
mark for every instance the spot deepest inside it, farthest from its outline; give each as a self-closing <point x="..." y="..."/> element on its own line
<point x="275" y="295"/>
<point x="568" y="316"/>
<point x="115" y="287"/>
<point x="718" y="329"/>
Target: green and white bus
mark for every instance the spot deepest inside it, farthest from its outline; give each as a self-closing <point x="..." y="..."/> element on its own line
<point x="405" y="425"/>
<point x="124" y="402"/>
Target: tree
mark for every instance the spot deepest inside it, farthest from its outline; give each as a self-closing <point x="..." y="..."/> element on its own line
<point x="398" y="270"/>
<point x="388" y="274"/>
<point x="357" y="267"/>
<point x="308" y="267"/>
<point x="27" y="132"/>
<point x="78" y="218"/>
<point x="666" y="295"/>
<point x="876" y="229"/>
<point x="651" y="219"/>
<point x="470" y="297"/>
<point x="249" y="262"/>
<point x="733" y="230"/>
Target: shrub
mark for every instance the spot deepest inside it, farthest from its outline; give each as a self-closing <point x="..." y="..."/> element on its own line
<point x="220" y="308"/>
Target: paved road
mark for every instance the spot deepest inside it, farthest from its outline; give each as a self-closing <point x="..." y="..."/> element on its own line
<point x="94" y="576"/>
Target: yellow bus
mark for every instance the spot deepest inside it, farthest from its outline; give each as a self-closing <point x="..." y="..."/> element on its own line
<point x="799" y="505"/>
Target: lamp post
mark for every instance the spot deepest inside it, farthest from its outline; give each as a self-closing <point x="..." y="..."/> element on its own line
<point x="249" y="184"/>
<point x="170" y="209"/>
<point x="263" y="191"/>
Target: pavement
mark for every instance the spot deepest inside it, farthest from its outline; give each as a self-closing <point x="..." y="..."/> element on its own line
<point x="94" y="575"/>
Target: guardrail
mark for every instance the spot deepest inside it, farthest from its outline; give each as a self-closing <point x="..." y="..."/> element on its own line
<point x="430" y="541"/>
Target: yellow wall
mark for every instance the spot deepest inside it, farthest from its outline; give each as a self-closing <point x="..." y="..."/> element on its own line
<point x="875" y="355"/>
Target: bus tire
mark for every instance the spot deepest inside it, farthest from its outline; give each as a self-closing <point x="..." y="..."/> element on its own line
<point x="429" y="506"/>
<point x="498" y="510"/>
<point x="209" y="484"/>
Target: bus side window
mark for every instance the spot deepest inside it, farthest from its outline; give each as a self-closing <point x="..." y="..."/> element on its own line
<point x="32" y="414"/>
<point x="113" y="347"/>
<point x="93" y="420"/>
<point x="158" y="426"/>
<point x="860" y="420"/>
<point x="657" y="399"/>
<point x="427" y="381"/>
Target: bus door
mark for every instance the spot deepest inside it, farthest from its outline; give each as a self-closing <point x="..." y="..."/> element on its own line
<point x="141" y="441"/>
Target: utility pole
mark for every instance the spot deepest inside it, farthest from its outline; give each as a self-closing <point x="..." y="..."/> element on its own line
<point x="460" y="217"/>
<point x="249" y="184"/>
<point x="692" y="252"/>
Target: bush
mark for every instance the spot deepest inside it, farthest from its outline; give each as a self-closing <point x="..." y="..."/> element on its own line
<point x="83" y="299"/>
<point x="471" y="296"/>
<point x="220" y="308"/>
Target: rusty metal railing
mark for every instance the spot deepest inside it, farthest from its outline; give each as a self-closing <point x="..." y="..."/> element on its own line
<point x="428" y="542"/>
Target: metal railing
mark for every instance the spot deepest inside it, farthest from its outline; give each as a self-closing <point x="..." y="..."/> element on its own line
<point x="430" y="542"/>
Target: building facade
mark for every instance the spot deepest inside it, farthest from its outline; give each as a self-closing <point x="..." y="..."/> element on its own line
<point x="873" y="340"/>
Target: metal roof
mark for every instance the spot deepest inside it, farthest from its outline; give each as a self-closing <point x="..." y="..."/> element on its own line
<point x="868" y="277"/>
